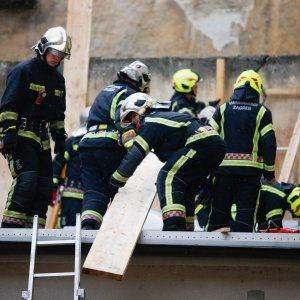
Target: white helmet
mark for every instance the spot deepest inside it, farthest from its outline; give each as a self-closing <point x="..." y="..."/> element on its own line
<point x="57" y="39"/>
<point x="206" y="114"/>
<point x="138" y="72"/>
<point x="139" y="103"/>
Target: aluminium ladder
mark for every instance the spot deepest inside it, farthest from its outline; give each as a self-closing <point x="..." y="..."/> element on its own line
<point x="78" y="292"/>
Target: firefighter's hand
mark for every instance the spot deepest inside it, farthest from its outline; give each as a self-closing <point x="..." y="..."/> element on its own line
<point x="60" y="146"/>
<point x="10" y="142"/>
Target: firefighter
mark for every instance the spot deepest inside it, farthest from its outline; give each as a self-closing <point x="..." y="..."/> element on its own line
<point x="247" y="129"/>
<point x="189" y="149"/>
<point x="102" y="149"/>
<point x="33" y="104"/>
<point x="185" y="84"/>
<point x="274" y="200"/>
<point x="70" y="185"/>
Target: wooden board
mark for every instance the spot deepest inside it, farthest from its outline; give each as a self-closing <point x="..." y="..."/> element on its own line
<point x="291" y="154"/>
<point x="115" y="241"/>
<point x="220" y="79"/>
<point x="79" y="21"/>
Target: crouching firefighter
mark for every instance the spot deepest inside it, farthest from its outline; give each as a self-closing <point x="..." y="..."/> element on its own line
<point x="33" y="104"/>
<point x="189" y="149"/>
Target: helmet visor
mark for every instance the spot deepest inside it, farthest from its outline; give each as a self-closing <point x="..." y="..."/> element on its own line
<point x="57" y="53"/>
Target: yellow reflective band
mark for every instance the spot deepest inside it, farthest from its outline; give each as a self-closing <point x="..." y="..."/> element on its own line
<point x="214" y="124"/>
<point x="119" y="177"/>
<point x="143" y="144"/>
<point x="255" y="140"/>
<point x="294" y="197"/>
<point x="37" y="87"/>
<point x="14" y="214"/>
<point x="185" y="110"/>
<point x="72" y="195"/>
<point x="190" y="219"/>
<point x="8" y="115"/>
<point x="269" y="168"/>
<point x="272" y="190"/>
<point x="206" y="103"/>
<point x="222" y="109"/>
<point x="58" y="93"/>
<point x="57" y="124"/>
<point x="30" y="135"/>
<point x="241" y="163"/>
<point x="266" y="129"/>
<point x="101" y="134"/>
<point x="199" y="207"/>
<point x="200" y="136"/>
<point x="274" y="212"/>
<point x="10" y="128"/>
<point x="92" y="213"/>
<point x="67" y="156"/>
<point x="113" y="106"/>
<point x="55" y="180"/>
<point x="167" y="122"/>
<point x="11" y="192"/>
<point x="173" y="207"/>
<point x="129" y="144"/>
<point x="170" y="176"/>
<point x="233" y="211"/>
<point x="46" y="144"/>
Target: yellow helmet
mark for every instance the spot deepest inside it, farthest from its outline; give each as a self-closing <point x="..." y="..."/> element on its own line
<point x="252" y="77"/>
<point x="294" y="200"/>
<point x="184" y="80"/>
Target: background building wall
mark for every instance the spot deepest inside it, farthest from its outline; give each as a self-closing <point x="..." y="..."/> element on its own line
<point x="160" y="28"/>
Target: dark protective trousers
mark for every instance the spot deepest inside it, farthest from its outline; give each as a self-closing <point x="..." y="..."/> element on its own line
<point x="180" y="177"/>
<point x="31" y="190"/>
<point x="227" y="190"/>
<point x="97" y="166"/>
<point x="69" y="208"/>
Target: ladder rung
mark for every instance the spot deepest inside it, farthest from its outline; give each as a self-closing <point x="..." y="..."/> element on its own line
<point x="59" y="274"/>
<point x="53" y="243"/>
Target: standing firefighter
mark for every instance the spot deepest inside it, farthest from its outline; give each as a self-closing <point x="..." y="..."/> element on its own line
<point x="101" y="149"/>
<point x="247" y="129"/>
<point x="70" y="186"/>
<point x="189" y="149"/>
<point x="32" y="104"/>
<point x="185" y="84"/>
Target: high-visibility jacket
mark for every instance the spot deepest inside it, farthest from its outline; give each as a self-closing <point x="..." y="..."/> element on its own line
<point x="246" y="126"/>
<point x="34" y="99"/>
<point x="192" y="107"/>
<point x="103" y="121"/>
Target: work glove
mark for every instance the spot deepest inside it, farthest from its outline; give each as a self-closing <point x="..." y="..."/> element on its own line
<point x="9" y="142"/>
<point x="128" y="138"/>
<point x="60" y="146"/>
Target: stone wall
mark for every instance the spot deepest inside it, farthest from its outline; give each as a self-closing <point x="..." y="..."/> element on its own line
<point x="163" y="28"/>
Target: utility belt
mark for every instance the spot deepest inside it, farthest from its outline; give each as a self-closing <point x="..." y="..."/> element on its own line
<point x="32" y="125"/>
<point x="71" y="183"/>
<point x="101" y="127"/>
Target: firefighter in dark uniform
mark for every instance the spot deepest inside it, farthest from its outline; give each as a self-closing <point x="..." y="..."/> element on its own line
<point x="69" y="186"/>
<point x="185" y="84"/>
<point x="247" y="129"/>
<point x="33" y="104"/>
<point x="189" y="149"/>
<point x="102" y="148"/>
<point x="274" y="200"/>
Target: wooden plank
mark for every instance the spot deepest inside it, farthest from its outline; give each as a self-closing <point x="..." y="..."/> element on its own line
<point x="115" y="241"/>
<point x="291" y="154"/>
<point x="79" y="21"/>
<point x="283" y="92"/>
<point x="220" y="79"/>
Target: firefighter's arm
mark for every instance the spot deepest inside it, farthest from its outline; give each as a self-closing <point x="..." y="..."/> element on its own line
<point x="127" y="167"/>
<point x="268" y="143"/>
<point x="9" y="109"/>
<point x="215" y="121"/>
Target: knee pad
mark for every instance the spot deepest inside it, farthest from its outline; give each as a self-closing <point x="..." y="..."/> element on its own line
<point x="43" y="196"/>
<point x="24" y="190"/>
